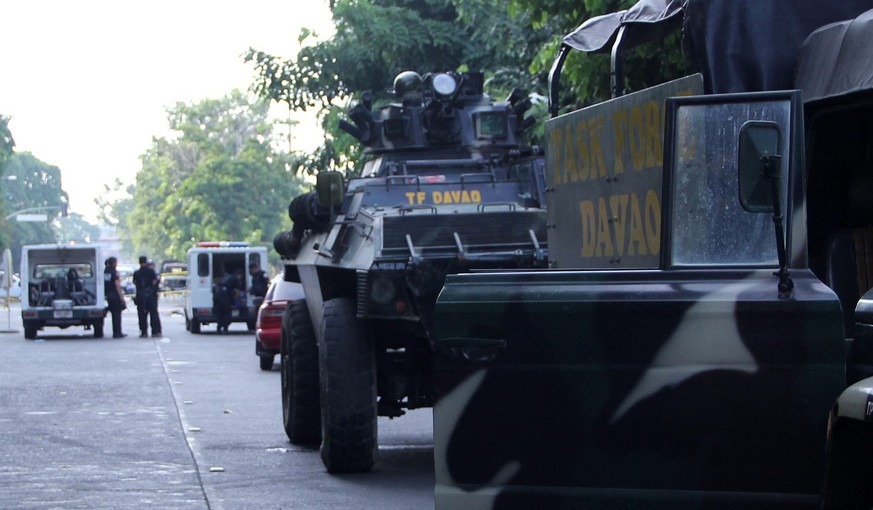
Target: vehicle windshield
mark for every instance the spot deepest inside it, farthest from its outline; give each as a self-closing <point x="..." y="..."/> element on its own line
<point x="43" y="271"/>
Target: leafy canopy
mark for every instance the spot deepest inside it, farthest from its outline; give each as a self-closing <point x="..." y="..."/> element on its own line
<point x="217" y="177"/>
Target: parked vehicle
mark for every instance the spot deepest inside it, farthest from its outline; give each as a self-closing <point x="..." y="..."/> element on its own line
<point x="174" y="275"/>
<point x="710" y="299"/>
<point x="64" y="287"/>
<point x="209" y="262"/>
<point x="449" y="185"/>
<point x="268" y="328"/>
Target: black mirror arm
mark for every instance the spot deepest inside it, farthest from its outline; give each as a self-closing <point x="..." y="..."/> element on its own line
<point x="770" y="169"/>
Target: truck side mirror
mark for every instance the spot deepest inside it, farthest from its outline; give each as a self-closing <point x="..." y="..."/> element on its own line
<point x="329" y="189"/>
<point x="759" y="165"/>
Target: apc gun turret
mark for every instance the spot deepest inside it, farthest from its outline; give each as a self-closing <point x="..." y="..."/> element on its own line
<point x="448" y="186"/>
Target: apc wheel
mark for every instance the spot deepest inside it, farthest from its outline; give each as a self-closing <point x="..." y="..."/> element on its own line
<point x="30" y="331"/>
<point x="266" y="363"/>
<point x="299" y="353"/>
<point x="187" y="323"/>
<point x="348" y="391"/>
<point x="98" y="329"/>
<point x="195" y="326"/>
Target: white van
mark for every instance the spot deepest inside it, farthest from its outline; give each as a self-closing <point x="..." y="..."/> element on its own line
<point x="64" y="287"/>
<point x="208" y="264"/>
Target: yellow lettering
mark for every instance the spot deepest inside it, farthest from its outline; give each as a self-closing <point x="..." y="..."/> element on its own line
<point x="410" y="196"/>
<point x="598" y="165"/>
<point x="604" y="239"/>
<point x="583" y="166"/>
<point x="476" y="196"/>
<point x="570" y="174"/>
<point x="618" y="206"/>
<point x="653" y="221"/>
<point x="588" y="228"/>
<point x="637" y="243"/>
<point x="637" y="145"/>
<point x="437" y="197"/>
<point x="619" y="121"/>
<point x="421" y="195"/>
<point x="654" y="152"/>
<point x="456" y="196"/>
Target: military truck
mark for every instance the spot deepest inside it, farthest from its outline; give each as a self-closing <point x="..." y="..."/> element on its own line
<point x="64" y="288"/>
<point x="703" y="337"/>
<point x="448" y="186"/>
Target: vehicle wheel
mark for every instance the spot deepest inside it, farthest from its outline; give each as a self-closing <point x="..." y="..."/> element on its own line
<point x="187" y="323"/>
<point x="98" y="329"/>
<point x="301" y="416"/>
<point x="30" y="331"/>
<point x="267" y="363"/>
<point x="195" y="326"/>
<point x="251" y="325"/>
<point x="348" y="391"/>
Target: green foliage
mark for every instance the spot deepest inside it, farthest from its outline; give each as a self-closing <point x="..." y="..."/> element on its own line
<point x="217" y="178"/>
<point x="585" y="78"/>
<point x="376" y="40"/>
<point x="36" y="185"/>
<point x="7" y="145"/>
<point x="514" y="43"/>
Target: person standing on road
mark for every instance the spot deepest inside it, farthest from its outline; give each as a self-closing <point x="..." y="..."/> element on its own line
<point x="146" y="281"/>
<point x="260" y="282"/>
<point x="225" y="296"/>
<point x="114" y="295"/>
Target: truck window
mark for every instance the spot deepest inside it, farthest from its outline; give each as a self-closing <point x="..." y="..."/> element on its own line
<point x="708" y="225"/>
<point x="202" y="264"/>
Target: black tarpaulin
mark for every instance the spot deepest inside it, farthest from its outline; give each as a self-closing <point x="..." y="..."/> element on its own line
<point x="752" y="45"/>
<point x="738" y="45"/>
<point x="837" y="59"/>
<point x="647" y="20"/>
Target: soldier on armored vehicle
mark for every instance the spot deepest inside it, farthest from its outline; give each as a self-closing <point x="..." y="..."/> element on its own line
<point x="448" y="187"/>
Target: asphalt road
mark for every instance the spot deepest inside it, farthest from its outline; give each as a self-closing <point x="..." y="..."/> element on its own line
<point x="179" y="422"/>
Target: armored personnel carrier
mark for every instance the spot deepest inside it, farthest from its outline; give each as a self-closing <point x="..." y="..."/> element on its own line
<point x="448" y="187"/>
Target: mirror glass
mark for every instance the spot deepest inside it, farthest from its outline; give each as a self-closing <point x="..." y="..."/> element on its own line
<point x="758" y="139"/>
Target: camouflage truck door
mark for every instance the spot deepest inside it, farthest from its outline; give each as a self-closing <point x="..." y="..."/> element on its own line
<point x="691" y="384"/>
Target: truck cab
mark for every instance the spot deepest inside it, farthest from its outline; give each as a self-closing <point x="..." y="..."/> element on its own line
<point x="703" y="334"/>
<point x="208" y="264"/>
<point x="63" y="286"/>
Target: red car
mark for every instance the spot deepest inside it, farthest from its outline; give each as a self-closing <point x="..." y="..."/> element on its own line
<point x="268" y="327"/>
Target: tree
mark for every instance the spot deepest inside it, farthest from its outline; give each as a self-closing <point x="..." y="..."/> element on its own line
<point x="7" y="145"/>
<point x="216" y="178"/>
<point x="36" y="185"/>
<point x="585" y="78"/>
<point x="376" y="40"/>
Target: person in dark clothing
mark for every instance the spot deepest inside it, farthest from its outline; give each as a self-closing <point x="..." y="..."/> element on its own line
<point x="224" y="295"/>
<point x="146" y="281"/>
<point x="114" y="296"/>
<point x="260" y="282"/>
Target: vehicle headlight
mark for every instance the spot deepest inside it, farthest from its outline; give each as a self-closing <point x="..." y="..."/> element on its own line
<point x="444" y="85"/>
<point x="382" y="290"/>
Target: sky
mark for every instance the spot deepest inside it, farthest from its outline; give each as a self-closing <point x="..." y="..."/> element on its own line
<point x="87" y="82"/>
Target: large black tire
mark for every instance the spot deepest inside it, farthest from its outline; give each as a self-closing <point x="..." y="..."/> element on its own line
<point x="98" y="329"/>
<point x="195" y="326"/>
<point x="849" y="466"/>
<point x="30" y="330"/>
<point x="348" y="391"/>
<point x="266" y="362"/>
<point x="300" y="399"/>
